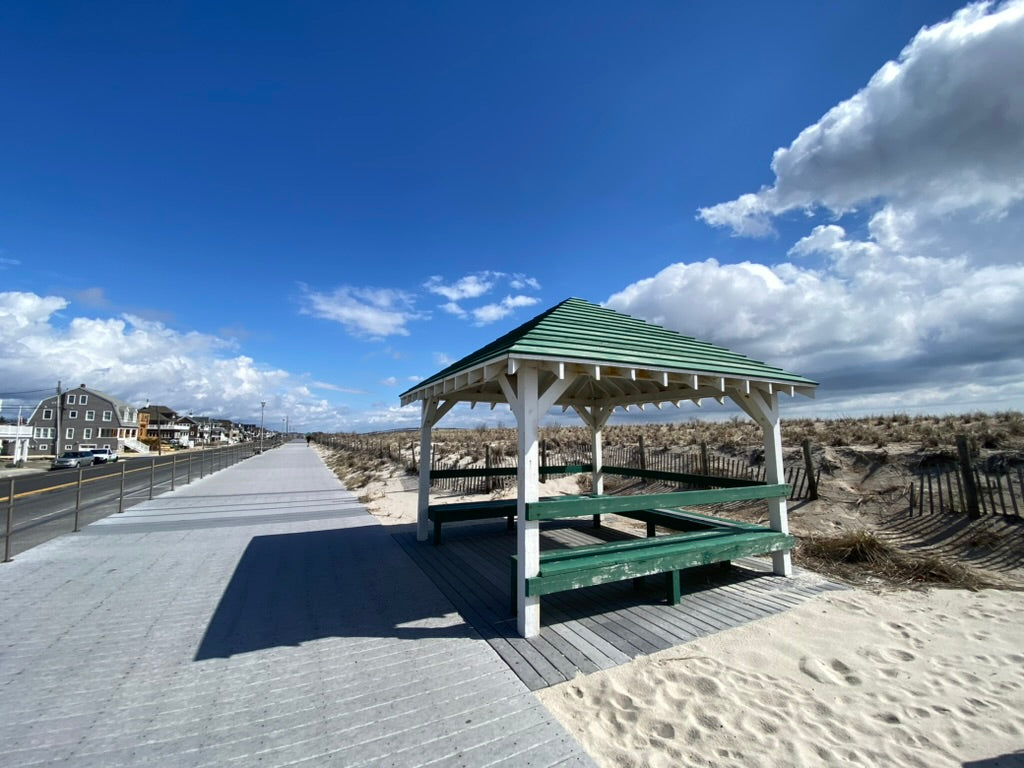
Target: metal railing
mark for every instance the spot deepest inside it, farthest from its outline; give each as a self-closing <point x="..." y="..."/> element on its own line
<point x="49" y="509"/>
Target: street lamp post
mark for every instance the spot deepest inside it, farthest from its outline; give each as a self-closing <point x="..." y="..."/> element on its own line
<point x="263" y="405"/>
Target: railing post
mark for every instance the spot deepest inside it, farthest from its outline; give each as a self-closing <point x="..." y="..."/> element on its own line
<point x="120" y="501"/>
<point x="812" y="481"/>
<point x="78" y="499"/>
<point x="10" y="521"/>
<point x="970" y="486"/>
<point x="202" y="463"/>
<point x="174" y="468"/>
<point x="152" y="476"/>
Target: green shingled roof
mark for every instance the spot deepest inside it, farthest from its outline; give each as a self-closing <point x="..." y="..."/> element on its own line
<point x="578" y="332"/>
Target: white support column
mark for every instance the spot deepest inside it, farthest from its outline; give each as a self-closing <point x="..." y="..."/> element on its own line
<point x="430" y="415"/>
<point x="527" y="412"/>
<point x="423" y="495"/>
<point x="596" y="418"/>
<point x="764" y="409"/>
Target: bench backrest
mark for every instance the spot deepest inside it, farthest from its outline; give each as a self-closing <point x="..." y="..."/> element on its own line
<point x="580" y="506"/>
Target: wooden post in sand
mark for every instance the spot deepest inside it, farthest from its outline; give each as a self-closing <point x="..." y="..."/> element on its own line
<point x="812" y="481"/>
<point x="966" y="471"/>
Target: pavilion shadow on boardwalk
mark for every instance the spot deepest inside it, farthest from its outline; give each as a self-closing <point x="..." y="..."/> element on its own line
<point x="293" y="588"/>
<point x="599" y="627"/>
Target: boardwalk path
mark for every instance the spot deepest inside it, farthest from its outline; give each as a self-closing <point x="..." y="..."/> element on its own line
<point x="259" y="616"/>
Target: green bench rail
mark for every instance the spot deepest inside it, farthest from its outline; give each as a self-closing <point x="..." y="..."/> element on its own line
<point x="576" y="567"/>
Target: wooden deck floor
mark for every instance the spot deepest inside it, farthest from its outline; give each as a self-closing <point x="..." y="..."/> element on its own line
<point x="598" y="627"/>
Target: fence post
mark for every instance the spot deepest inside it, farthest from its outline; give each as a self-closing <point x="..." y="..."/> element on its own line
<point x="189" y="481"/>
<point x="643" y="453"/>
<point x="543" y="460"/>
<point x="812" y="481"/>
<point x="10" y="521"/>
<point x="705" y="462"/>
<point x="174" y="468"/>
<point x="120" y="500"/>
<point x="152" y="476"/>
<point x="912" y="497"/>
<point x="78" y="499"/>
<point x="970" y="487"/>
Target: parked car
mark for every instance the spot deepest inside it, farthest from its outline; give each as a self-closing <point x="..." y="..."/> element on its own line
<point x="103" y="455"/>
<point x="73" y="460"/>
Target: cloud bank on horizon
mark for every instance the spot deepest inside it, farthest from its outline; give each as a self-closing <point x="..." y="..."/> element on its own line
<point x="924" y="302"/>
<point x="141" y="361"/>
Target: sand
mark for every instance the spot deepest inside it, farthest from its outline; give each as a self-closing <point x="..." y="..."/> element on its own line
<point x="876" y="678"/>
<point x="856" y="678"/>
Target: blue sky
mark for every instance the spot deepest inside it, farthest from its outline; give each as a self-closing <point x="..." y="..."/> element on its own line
<point x="209" y="205"/>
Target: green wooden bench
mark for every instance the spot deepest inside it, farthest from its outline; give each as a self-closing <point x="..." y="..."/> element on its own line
<point x="576" y="567"/>
<point x="702" y="540"/>
<point x="470" y="510"/>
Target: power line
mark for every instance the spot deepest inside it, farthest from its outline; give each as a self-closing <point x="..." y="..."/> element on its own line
<point x="29" y="392"/>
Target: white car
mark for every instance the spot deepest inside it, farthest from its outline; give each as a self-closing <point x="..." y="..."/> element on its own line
<point x="104" y="455"/>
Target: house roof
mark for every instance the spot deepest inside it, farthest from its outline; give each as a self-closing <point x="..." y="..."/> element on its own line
<point x="616" y="359"/>
<point x="121" y="404"/>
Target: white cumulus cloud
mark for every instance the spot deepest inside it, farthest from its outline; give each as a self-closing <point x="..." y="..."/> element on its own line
<point x="364" y="311"/>
<point x="489" y="313"/>
<point x="138" y="360"/>
<point x="923" y="304"/>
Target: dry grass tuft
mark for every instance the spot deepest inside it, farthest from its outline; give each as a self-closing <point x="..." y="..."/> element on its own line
<point x="858" y="556"/>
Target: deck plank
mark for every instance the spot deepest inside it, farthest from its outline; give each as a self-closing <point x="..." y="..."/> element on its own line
<point x="598" y="627"/>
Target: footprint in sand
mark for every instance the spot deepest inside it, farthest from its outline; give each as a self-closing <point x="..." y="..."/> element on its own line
<point x="888" y="655"/>
<point x="834" y="672"/>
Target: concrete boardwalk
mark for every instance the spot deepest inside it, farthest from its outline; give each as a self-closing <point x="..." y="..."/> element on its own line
<point x="259" y="616"/>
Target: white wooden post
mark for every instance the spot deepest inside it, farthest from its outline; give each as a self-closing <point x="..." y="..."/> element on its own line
<point x="528" y="485"/>
<point x="764" y="409"/>
<point x="423" y="495"/>
<point x="432" y="413"/>
<point x="596" y="418"/>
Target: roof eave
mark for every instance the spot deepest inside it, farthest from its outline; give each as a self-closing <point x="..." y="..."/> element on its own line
<point x="673" y="384"/>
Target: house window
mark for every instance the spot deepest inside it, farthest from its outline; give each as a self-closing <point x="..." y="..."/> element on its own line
<point x="108" y="415"/>
<point x="45" y="432"/>
<point x="69" y="434"/>
<point x="47" y="414"/>
<point x="44" y="447"/>
<point x="87" y="433"/>
<point x="72" y="414"/>
<point x="90" y="415"/>
<point x="108" y="433"/>
<point x="83" y="399"/>
<point x="70" y="400"/>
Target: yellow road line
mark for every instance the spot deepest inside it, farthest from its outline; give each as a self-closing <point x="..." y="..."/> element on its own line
<point x="26" y="494"/>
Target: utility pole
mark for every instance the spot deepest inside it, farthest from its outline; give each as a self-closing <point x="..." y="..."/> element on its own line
<point x="56" y="416"/>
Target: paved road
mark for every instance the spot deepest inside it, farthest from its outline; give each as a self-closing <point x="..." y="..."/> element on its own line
<point x="46" y="502"/>
<point x="256" y="617"/>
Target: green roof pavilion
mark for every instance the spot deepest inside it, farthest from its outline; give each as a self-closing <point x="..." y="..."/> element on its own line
<point x="592" y="359"/>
